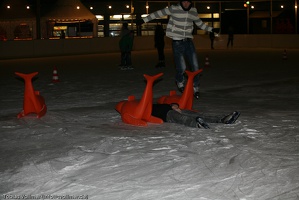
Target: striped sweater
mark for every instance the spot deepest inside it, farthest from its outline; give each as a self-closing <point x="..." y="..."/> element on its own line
<point x="180" y="24"/>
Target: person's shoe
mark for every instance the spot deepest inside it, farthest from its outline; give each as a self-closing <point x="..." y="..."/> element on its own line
<point x="124" y="68"/>
<point x="130" y="67"/>
<point x="196" y="95"/>
<point x="181" y="86"/>
<point x="231" y="118"/>
<point x="201" y="123"/>
<point x="196" y="92"/>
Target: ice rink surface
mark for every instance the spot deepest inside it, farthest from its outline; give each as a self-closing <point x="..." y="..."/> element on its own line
<point x="81" y="148"/>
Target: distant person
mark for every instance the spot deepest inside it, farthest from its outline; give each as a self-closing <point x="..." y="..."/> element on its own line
<point x="62" y="36"/>
<point x="212" y="38"/>
<point x="159" y="44"/>
<point x="173" y="114"/>
<point x="126" y="45"/>
<point x="179" y="29"/>
<point x="230" y="37"/>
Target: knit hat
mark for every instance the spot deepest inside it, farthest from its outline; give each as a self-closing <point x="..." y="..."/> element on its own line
<point x="186" y="0"/>
<point x="186" y="9"/>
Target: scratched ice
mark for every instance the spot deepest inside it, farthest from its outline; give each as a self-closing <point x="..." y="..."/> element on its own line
<point x="81" y="146"/>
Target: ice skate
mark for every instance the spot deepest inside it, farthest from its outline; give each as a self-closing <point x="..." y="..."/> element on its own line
<point x="180" y="86"/>
<point x="196" y="92"/>
<point x="201" y="123"/>
<point x="231" y="118"/>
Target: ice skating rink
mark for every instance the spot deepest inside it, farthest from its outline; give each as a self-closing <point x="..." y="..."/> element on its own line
<point x="81" y="148"/>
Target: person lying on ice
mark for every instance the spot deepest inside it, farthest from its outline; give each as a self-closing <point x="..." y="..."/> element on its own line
<point x="173" y="114"/>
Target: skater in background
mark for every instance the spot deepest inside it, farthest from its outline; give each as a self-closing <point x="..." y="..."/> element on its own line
<point x="230" y="37"/>
<point x="126" y="45"/>
<point x="212" y="38"/>
<point x="173" y="114"/>
<point x="159" y="44"/>
<point x="179" y="28"/>
<point x="62" y="36"/>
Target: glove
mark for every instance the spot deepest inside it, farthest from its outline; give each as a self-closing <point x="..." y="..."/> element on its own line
<point x="215" y="30"/>
<point x="139" y="22"/>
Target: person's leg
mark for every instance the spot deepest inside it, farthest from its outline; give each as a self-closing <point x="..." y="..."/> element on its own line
<point x="176" y="117"/>
<point x="123" y="59"/>
<point x="226" y="119"/>
<point x="206" y="118"/>
<point x="178" y="53"/>
<point x="191" y="55"/>
<point x="161" y="53"/>
<point x="161" y="56"/>
<point x="129" y="59"/>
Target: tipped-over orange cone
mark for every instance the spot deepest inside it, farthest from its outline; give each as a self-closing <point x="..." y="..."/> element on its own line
<point x="55" y="78"/>
<point x="33" y="101"/>
<point x="207" y="62"/>
<point x="138" y="112"/>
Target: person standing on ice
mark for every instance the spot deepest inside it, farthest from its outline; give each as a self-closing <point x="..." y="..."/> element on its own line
<point x="126" y="45"/>
<point x="179" y="29"/>
<point x="173" y="114"/>
<point x="212" y="38"/>
<point x="159" y="44"/>
<point x="230" y="39"/>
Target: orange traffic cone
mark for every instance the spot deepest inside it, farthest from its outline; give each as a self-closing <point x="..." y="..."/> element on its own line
<point x="284" y="55"/>
<point x="207" y="62"/>
<point x="55" y="78"/>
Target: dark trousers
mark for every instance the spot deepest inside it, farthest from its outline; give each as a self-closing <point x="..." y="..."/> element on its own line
<point x="230" y="41"/>
<point x="126" y="59"/>
<point x="188" y="118"/>
<point x="161" y="55"/>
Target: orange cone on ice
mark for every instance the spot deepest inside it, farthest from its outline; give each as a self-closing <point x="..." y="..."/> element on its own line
<point x="138" y="112"/>
<point x="55" y="78"/>
<point x="33" y="101"/>
<point x="185" y="100"/>
<point x="207" y="62"/>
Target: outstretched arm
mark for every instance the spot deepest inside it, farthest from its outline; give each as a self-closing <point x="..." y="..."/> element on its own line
<point x="202" y="25"/>
<point x="157" y="14"/>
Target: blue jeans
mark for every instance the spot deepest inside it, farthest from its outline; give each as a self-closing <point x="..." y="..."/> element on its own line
<point x="181" y="50"/>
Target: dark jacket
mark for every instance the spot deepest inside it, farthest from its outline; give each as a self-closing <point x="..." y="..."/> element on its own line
<point x="161" y="110"/>
<point x="126" y="41"/>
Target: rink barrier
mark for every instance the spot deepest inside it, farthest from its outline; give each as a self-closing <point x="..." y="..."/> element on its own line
<point x="47" y="47"/>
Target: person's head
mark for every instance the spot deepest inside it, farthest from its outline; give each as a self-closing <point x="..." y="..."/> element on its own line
<point x="186" y="5"/>
<point x="125" y="25"/>
<point x="175" y="107"/>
